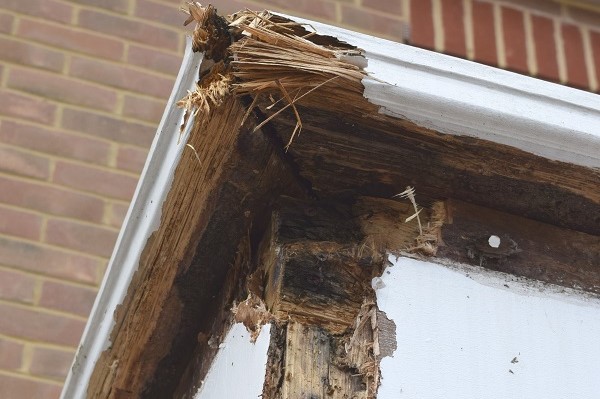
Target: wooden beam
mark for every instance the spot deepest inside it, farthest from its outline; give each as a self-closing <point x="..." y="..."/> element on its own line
<point x="320" y="256"/>
<point x="523" y="247"/>
<point x="318" y="260"/>
<point x="375" y="155"/>
<point x="174" y="295"/>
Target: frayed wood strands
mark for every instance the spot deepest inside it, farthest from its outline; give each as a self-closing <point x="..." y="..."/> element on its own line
<point x="270" y="57"/>
<point x="210" y="91"/>
<point x="429" y="236"/>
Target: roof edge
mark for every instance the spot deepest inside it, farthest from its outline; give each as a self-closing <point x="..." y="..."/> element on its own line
<point x="142" y="219"/>
<point x="459" y="97"/>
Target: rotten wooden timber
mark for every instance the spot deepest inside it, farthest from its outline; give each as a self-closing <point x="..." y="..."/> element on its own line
<point x="174" y="295"/>
<point x="527" y="248"/>
<point x="320" y="256"/>
<point x="377" y="155"/>
<point x="316" y="262"/>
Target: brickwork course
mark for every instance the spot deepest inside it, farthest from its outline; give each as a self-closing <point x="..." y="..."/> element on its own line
<point x="83" y="84"/>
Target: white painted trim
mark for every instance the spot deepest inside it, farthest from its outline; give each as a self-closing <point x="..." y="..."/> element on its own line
<point x="467" y="332"/>
<point x="459" y="97"/>
<point x="142" y="219"/>
<point x="239" y="368"/>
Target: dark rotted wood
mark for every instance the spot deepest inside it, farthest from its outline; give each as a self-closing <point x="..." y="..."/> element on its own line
<point x="377" y="155"/>
<point x="313" y="270"/>
<point x="174" y="296"/>
<point x="319" y="256"/>
<point x="319" y="283"/>
<point x="528" y="248"/>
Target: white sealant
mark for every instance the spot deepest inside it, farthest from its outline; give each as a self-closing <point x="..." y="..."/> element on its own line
<point x="238" y="370"/>
<point x="464" y="332"/>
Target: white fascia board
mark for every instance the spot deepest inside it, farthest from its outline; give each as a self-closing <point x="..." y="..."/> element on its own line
<point x="463" y="331"/>
<point x="238" y="370"/>
<point x="454" y="96"/>
<point x="143" y="218"/>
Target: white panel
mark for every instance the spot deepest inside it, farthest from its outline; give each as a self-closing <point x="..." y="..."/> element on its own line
<point x="238" y="371"/>
<point x="468" y="333"/>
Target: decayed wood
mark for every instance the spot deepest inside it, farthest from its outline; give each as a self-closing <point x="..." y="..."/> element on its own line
<point x="174" y="296"/>
<point x="318" y="259"/>
<point x="310" y="368"/>
<point x="527" y="248"/>
<point x="377" y="155"/>
<point x="320" y="256"/>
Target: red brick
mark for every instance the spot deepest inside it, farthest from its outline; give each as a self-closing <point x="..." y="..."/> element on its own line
<point x="11" y="353"/>
<point x="454" y="28"/>
<point x="6" y="22"/>
<point x="17" y="162"/>
<point x="513" y="27"/>
<point x="28" y="54"/>
<point x="595" y="41"/>
<point x="32" y="109"/>
<point x="421" y="23"/>
<point x="19" y="223"/>
<point x="49" y="199"/>
<point x="54" y="142"/>
<point x="364" y="20"/>
<point x="387" y="6"/>
<point x="118" y="213"/>
<point x="121" y="6"/>
<point x="20" y="388"/>
<point x="129" y="29"/>
<point x="94" y="180"/>
<point x="574" y="55"/>
<point x="168" y="14"/>
<point x="71" y="39"/>
<point x="144" y="109"/>
<point x="483" y="33"/>
<point x="131" y="159"/>
<point x="121" y="77"/>
<point x="68" y="298"/>
<point x="150" y="58"/>
<point x="322" y="10"/>
<point x="51" y="262"/>
<point x="545" y="47"/>
<point x="51" y="363"/>
<point x="17" y="287"/>
<point x="62" y="89"/>
<point x="81" y="237"/>
<point x="47" y="9"/>
<point x="548" y="7"/>
<point x="583" y="16"/>
<point x="108" y="128"/>
<point x="26" y="323"/>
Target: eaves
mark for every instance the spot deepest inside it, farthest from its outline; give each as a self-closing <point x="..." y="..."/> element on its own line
<point x="412" y="90"/>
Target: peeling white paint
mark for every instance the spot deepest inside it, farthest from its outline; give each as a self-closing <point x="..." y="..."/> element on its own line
<point x="238" y="370"/>
<point x="464" y="332"/>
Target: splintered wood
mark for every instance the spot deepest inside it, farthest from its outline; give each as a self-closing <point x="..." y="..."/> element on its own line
<point x="262" y="55"/>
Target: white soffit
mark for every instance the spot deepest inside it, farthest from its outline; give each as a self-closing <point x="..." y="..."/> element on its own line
<point x="467" y="332"/>
<point x="459" y="97"/>
<point x="142" y="219"/>
<point x="238" y="371"/>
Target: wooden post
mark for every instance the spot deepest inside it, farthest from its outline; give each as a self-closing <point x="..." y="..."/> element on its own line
<point x="318" y="260"/>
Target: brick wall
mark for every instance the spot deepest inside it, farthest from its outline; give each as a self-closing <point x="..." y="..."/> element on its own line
<point x="82" y="86"/>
